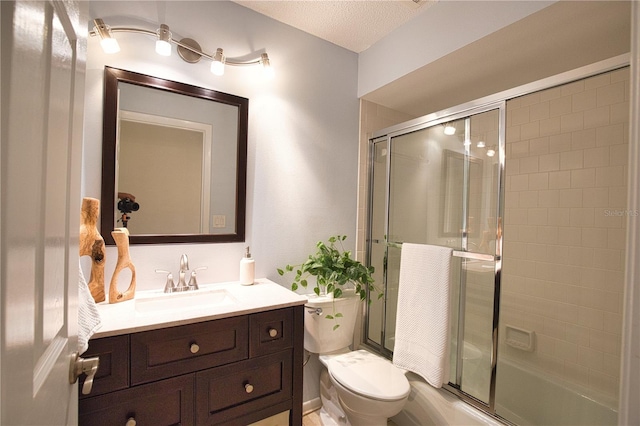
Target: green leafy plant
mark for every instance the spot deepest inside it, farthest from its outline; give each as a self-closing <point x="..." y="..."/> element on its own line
<point x="333" y="268"/>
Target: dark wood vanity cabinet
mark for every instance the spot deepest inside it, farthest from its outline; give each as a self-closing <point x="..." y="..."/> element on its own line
<point x="231" y="371"/>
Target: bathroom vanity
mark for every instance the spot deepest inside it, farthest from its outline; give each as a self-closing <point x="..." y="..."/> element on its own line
<point x="234" y="360"/>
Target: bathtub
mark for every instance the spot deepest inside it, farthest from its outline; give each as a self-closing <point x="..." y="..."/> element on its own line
<point x="548" y="401"/>
<point x="428" y="406"/>
<point x="543" y="401"/>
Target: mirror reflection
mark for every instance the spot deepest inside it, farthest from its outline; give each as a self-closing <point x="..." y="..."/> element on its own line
<point x="174" y="161"/>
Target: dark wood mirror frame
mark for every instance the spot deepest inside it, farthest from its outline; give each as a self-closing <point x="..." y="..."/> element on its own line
<point x="110" y="115"/>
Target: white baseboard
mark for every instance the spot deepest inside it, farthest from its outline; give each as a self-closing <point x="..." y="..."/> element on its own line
<point x="309" y="406"/>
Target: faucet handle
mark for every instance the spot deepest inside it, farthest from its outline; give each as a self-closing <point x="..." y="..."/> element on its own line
<point x="193" y="283"/>
<point x="169" y="286"/>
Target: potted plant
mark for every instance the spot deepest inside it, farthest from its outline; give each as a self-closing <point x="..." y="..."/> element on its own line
<point x="333" y="268"/>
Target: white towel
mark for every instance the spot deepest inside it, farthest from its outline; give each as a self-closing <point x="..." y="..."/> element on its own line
<point x="88" y="316"/>
<point x="422" y="321"/>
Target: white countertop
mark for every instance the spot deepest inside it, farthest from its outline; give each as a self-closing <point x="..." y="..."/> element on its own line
<point x="126" y="317"/>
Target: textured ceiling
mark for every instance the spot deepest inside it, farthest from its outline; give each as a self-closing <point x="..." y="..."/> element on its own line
<point x="354" y="25"/>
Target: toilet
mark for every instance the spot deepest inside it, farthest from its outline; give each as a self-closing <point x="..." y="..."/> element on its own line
<point x="357" y="388"/>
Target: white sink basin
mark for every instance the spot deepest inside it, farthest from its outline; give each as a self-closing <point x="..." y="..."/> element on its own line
<point x="158" y="302"/>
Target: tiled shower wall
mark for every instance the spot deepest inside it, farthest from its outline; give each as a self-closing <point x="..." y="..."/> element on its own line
<point x="564" y="233"/>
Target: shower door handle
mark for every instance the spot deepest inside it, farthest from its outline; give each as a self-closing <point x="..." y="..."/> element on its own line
<point x="474" y="256"/>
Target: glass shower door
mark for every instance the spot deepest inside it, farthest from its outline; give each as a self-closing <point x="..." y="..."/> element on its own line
<point x="438" y="185"/>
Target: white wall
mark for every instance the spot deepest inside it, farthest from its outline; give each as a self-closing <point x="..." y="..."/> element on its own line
<point x="446" y="27"/>
<point x="303" y="130"/>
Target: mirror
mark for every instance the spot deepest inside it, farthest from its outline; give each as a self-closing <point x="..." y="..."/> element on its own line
<point x="174" y="161"/>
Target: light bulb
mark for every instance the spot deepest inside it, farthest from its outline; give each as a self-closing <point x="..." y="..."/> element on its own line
<point x="491" y="152"/>
<point x="480" y="144"/>
<point x="217" y="66"/>
<point x="110" y="45"/>
<point x="449" y="130"/>
<point x="163" y="45"/>
<point x="266" y="66"/>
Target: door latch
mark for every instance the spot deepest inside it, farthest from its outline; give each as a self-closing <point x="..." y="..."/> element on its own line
<point x="88" y="366"/>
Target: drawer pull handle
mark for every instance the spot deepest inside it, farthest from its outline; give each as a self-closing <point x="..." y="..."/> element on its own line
<point x="194" y="348"/>
<point x="248" y="388"/>
<point x="131" y="422"/>
<point x="273" y="332"/>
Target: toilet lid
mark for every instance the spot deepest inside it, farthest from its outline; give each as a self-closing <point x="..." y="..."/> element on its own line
<point x="369" y="375"/>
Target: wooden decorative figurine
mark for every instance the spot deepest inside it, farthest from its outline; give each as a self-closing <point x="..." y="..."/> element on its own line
<point x="121" y="237"/>
<point x="92" y="244"/>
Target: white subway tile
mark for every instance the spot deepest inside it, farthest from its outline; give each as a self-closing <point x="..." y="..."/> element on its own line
<point x="616" y="238"/>
<point x="539" y="181"/>
<point x="577" y="334"/>
<point x="539" y="146"/>
<point x="571" y="160"/>
<point x="549" y="198"/>
<point x="548" y="163"/>
<point x="581" y="217"/>
<point x="611" y="94"/>
<point x="572" y="122"/>
<point x="597" y="157"/>
<point x="570" y="197"/>
<point x="560" y="142"/>
<point x="519" y="116"/>
<point x="529" y="164"/>
<point x="560" y="106"/>
<point x="520" y="149"/>
<point x="590" y="318"/>
<point x="537" y="216"/>
<point x="605" y="342"/>
<point x="570" y="236"/>
<point x="583" y="139"/>
<point x="583" y="100"/>
<point x="539" y="111"/>
<point x="597" y="117"/>
<point x="531" y="130"/>
<point x="550" y="126"/>
<point x="595" y="197"/>
<point x="610" y="176"/>
<point x="559" y="216"/>
<point x="528" y="199"/>
<point x="595" y="237"/>
<point x="560" y="180"/>
<point x="583" y="178"/>
<point x="610" y="135"/>
<point x="619" y="113"/>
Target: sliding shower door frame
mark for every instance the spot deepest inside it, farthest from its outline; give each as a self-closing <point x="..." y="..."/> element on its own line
<point x="460" y="111"/>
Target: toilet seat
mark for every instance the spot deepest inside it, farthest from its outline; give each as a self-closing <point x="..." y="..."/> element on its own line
<point x="368" y="375"/>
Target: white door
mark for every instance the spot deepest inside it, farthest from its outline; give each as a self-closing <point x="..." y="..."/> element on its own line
<point x="42" y="74"/>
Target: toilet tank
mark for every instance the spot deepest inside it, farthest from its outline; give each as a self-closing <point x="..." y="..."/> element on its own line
<point x="320" y="333"/>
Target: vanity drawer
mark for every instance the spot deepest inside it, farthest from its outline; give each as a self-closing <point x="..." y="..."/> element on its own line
<point x="167" y="402"/>
<point x="168" y="352"/>
<point x="113" y="371"/>
<point x="270" y="332"/>
<point x="229" y="392"/>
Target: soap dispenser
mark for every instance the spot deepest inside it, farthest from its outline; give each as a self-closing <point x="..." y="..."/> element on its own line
<point x="247" y="269"/>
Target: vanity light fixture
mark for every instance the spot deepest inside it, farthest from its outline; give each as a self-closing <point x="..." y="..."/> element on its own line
<point x="188" y="49"/>
<point x="108" y="43"/>
<point x="491" y="152"/>
<point x="480" y="144"/>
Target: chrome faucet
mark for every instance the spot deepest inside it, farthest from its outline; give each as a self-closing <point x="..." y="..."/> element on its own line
<point x="184" y="267"/>
<point x="181" y="285"/>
